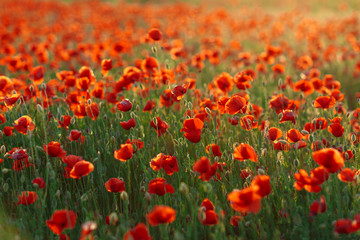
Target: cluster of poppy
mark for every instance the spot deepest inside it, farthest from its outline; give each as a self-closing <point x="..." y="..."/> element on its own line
<point x="73" y="47"/>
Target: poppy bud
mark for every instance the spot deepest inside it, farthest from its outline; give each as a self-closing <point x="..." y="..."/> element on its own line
<point x="280" y="82"/>
<point x="22" y="179"/>
<point x="189" y="105"/>
<point x="154" y="50"/>
<point x="148" y="196"/>
<point x="261" y="171"/>
<point x="3" y="149"/>
<point x="353" y="138"/>
<point x="113" y="218"/>
<point x="39" y="108"/>
<point x="36" y="185"/>
<point x="184" y="188"/>
<point x="30" y="159"/>
<point x="137" y="107"/>
<point x="263" y="152"/>
<point x="5" y="187"/>
<point x="311" y="138"/>
<point x="207" y="187"/>
<point x="5" y="170"/>
<point x="112" y="139"/>
<point x="207" y="110"/>
<point x="105" y="116"/>
<point x="304" y="132"/>
<point x="227" y="173"/>
<point x="346" y="156"/>
<point x="124" y="196"/>
<point x="57" y="194"/>
<point x="142" y="189"/>
<point x="178" y="236"/>
<point x="89" y="101"/>
<point x="84" y="197"/>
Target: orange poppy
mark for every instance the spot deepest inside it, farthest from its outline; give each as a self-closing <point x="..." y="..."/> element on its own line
<point x="159" y="186"/>
<point x="329" y="158"/>
<point x="236" y="104"/>
<point x="311" y="183"/>
<point x="23" y="124"/>
<point x="37" y="75"/>
<point x="125" y="152"/>
<point x="204" y="168"/>
<point x="287" y="115"/>
<point x="92" y="110"/>
<point x="2" y="118"/>
<point x="60" y="220"/>
<point x="81" y="169"/>
<point x="139" y="232"/>
<point x="27" y="198"/>
<point x="150" y="105"/>
<point x="245" y="200"/>
<point x="160" y="215"/>
<point x="261" y="185"/>
<point x="245" y="151"/>
<point x="115" y="185"/>
<point x="279" y="103"/>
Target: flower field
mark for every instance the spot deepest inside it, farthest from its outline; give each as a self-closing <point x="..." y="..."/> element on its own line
<point x="169" y="120"/>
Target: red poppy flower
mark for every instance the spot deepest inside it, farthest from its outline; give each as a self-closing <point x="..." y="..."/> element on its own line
<point x="247" y="122"/>
<point x="54" y="149"/>
<point x="125" y="152"/>
<point x="160" y="126"/>
<point x="159" y="186"/>
<point x="160" y="215"/>
<point x="60" y="220"/>
<point x="287" y="115"/>
<point x="261" y="185"/>
<point x="37" y="75"/>
<point x="166" y="162"/>
<point x="75" y="135"/>
<point x="207" y="214"/>
<point x="215" y="150"/>
<point x="27" y="198"/>
<point x="155" y="34"/>
<point x="139" y="232"/>
<point x="192" y="129"/>
<point x="92" y="110"/>
<point x="293" y="135"/>
<point x="205" y="169"/>
<point x="224" y="82"/>
<point x="150" y="105"/>
<point x="11" y="100"/>
<point x="2" y="118"/>
<point x="115" y="185"/>
<point x="23" y="124"/>
<point x="81" y="169"/>
<point x="324" y="102"/>
<point x="274" y="134"/>
<point x="20" y="158"/>
<point x="106" y="66"/>
<point x="336" y="129"/>
<point x="311" y="183"/>
<point x="8" y="131"/>
<point x="347" y="175"/>
<point x="65" y="122"/>
<point x="39" y="181"/>
<point x="245" y="151"/>
<point x="86" y="230"/>
<point x="318" y="206"/>
<point x="128" y="124"/>
<point x="124" y="106"/>
<point x="329" y="158"/>
<point x="279" y="103"/>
